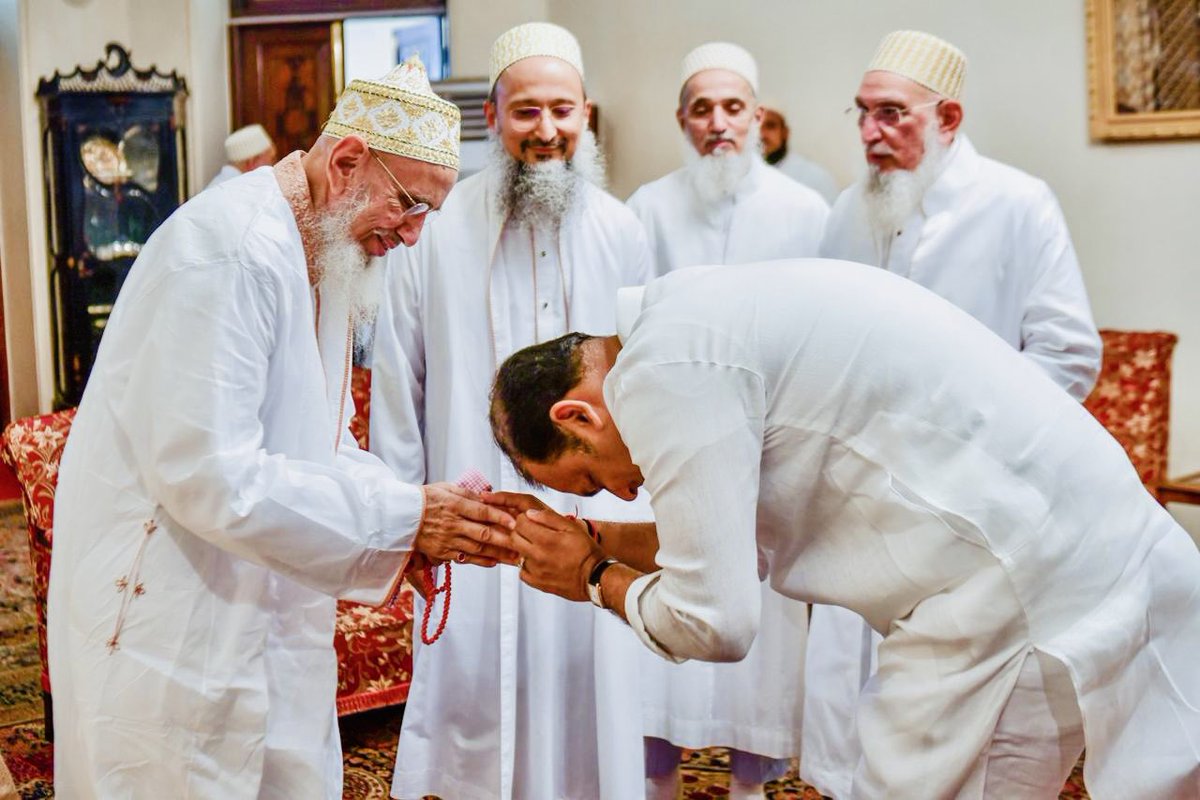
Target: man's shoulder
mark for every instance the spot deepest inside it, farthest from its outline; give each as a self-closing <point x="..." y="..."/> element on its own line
<point x="661" y="188"/>
<point x="1006" y="181"/>
<point x="600" y="206"/>
<point x="781" y="187"/>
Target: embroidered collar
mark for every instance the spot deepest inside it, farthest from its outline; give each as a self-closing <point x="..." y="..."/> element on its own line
<point x="289" y="173"/>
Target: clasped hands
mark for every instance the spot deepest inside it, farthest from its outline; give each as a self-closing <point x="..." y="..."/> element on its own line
<point x="554" y="553"/>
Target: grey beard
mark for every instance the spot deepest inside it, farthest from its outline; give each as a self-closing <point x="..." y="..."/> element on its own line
<point x="891" y="197"/>
<point x="716" y="177"/>
<point x="543" y="194"/>
<point x="344" y="268"/>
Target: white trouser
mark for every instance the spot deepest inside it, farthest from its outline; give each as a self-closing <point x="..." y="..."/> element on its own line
<point x="1037" y="740"/>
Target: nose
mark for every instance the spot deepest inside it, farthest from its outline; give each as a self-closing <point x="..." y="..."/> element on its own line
<point x="545" y="128"/>
<point x="410" y="230"/>
<point x="720" y="120"/>
<point x="869" y="130"/>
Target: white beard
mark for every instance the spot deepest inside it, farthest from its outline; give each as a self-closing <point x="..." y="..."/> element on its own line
<point x="715" y="177"/>
<point x="891" y="197"/>
<point x="542" y="194"/>
<point x="345" y="270"/>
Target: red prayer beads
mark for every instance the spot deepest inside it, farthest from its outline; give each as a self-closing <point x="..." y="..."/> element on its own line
<point x="434" y="591"/>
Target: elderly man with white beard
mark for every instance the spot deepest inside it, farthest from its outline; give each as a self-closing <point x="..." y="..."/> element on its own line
<point x="519" y="696"/>
<point x="212" y="505"/>
<point x="727" y="207"/>
<point x="985" y="236"/>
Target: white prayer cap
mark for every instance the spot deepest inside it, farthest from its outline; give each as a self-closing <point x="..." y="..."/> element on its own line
<point x="534" y="39"/>
<point x="399" y="114"/>
<point x="246" y="143"/>
<point x="924" y="58"/>
<point x="720" y="55"/>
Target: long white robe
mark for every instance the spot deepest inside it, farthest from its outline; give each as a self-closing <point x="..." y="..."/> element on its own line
<point x="206" y="517"/>
<point x="993" y="241"/>
<point x="684" y="231"/>
<point x="755" y="705"/>
<point x="526" y="695"/>
<point x="810" y="173"/>
<point x="893" y="456"/>
<point x="227" y="173"/>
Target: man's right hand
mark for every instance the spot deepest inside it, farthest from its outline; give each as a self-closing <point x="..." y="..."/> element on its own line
<point x="457" y="526"/>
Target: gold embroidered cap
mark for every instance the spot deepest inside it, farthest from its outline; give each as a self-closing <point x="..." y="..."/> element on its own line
<point x="534" y="39"/>
<point x="924" y="58"/>
<point x="720" y="55"/>
<point x="399" y="114"/>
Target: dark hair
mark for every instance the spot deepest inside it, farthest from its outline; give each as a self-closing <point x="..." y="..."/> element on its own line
<point x="527" y="384"/>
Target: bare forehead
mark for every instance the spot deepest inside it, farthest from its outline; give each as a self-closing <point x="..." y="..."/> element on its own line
<point x="539" y="78"/>
<point x="879" y="86"/>
<point x="717" y="86"/>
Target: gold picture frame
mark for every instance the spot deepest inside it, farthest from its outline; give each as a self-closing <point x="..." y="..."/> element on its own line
<point x="1143" y="69"/>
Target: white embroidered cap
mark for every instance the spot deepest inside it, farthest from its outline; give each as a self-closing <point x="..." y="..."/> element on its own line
<point x="924" y="58"/>
<point x="534" y="39"/>
<point x="720" y="55"/>
<point x="399" y="114"/>
<point x="246" y="143"/>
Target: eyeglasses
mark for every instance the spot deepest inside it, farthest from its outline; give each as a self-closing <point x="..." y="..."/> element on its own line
<point x="887" y="116"/>
<point x="414" y="209"/>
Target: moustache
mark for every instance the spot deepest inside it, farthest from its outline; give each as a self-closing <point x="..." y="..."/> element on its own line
<point x="559" y="143"/>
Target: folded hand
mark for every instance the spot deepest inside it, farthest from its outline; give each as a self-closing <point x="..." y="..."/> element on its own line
<point x="458" y="526"/>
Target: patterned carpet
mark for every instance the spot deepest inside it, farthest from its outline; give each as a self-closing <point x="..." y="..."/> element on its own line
<point x="368" y="740"/>
<point x="20" y="695"/>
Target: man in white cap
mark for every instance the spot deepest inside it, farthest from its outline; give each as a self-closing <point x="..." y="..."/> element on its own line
<point x="779" y="154"/>
<point x="727" y="207"/>
<point x="985" y="236"/>
<point x="246" y="149"/>
<point x="212" y="505"/>
<point x="518" y="697"/>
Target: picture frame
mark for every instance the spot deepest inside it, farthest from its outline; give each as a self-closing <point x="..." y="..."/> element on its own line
<point x="1143" y="69"/>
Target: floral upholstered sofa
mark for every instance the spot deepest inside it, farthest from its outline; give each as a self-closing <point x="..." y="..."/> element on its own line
<point x="374" y="646"/>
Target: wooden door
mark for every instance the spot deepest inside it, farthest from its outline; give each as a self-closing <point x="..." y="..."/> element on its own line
<point x="283" y="79"/>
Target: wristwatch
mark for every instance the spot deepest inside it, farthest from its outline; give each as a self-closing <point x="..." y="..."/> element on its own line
<point x="593" y="581"/>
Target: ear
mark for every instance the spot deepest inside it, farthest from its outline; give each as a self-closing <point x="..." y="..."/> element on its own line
<point x="587" y="113"/>
<point x="680" y="117"/>
<point x="489" y="113"/>
<point x="576" y="416"/>
<point x="950" y="116"/>
<point x="759" y="113"/>
<point x="347" y="156"/>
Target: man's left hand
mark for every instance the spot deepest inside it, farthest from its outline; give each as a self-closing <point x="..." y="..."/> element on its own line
<point x="557" y="555"/>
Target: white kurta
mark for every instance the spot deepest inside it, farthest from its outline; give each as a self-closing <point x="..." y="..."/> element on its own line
<point x="810" y="173"/>
<point x="205" y="522"/>
<point x="526" y="695"/>
<point x="755" y="705"/>
<point x="227" y="173"/>
<point x="897" y="458"/>
<point x="993" y="241"/>
<point x="684" y="231"/>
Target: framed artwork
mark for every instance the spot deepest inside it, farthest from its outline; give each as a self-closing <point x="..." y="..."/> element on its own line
<point x="1144" y="68"/>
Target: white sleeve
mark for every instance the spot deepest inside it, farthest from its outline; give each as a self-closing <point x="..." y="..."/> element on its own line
<point x="398" y="371"/>
<point x="696" y="430"/>
<point x="1057" y="332"/>
<point x="206" y="362"/>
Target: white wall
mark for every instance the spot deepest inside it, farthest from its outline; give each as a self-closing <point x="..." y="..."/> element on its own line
<point x="475" y="24"/>
<point x="1132" y="208"/>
